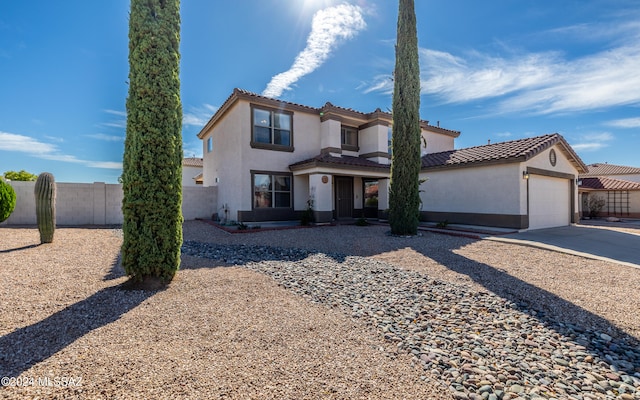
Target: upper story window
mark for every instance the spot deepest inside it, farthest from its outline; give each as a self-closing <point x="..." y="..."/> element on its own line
<point x="209" y="144"/>
<point x="349" y="138"/>
<point x="389" y="140"/>
<point x="272" y="129"/>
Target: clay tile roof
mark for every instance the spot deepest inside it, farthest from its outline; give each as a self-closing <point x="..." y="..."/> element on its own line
<point x="192" y="162"/>
<point x="327" y="107"/>
<point x="246" y="93"/>
<point x="604" y="183"/>
<point x="603" y="169"/>
<point x="512" y="151"/>
<point x="332" y="161"/>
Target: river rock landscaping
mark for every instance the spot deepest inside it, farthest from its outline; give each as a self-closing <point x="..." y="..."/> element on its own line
<point x="481" y="345"/>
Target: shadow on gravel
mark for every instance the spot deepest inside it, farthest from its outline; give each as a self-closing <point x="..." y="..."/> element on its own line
<point x="570" y="320"/>
<point x="25" y="347"/>
<point x="31" y="246"/>
<point x="116" y="270"/>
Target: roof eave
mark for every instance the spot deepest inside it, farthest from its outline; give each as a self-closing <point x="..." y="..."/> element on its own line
<point x="471" y="164"/>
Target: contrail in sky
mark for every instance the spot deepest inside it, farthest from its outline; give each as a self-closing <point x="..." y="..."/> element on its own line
<point x="328" y="28"/>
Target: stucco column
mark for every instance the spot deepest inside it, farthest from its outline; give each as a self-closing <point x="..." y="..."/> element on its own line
<point x="383" y="198"/>
<point x="320" y="188"/>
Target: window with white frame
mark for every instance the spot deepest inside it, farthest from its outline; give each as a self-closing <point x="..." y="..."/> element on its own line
<point x="271" y="190"/>
<point x="271" y="128"/>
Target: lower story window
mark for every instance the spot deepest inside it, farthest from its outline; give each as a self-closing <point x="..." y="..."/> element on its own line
<point x="271" y="191"/>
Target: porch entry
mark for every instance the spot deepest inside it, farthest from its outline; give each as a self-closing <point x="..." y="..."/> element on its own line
<point x="370" y="197"/>
<point x="344" y="196"/>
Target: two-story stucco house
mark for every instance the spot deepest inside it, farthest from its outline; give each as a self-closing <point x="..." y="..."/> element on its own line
<point x="269" y="157"/>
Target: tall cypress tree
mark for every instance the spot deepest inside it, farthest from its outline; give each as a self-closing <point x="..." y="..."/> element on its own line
<point x="152" y="167"/>
<point x="404" y="196"/>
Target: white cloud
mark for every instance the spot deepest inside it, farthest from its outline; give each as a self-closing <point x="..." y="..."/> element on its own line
<point x="116" y="123"/>
<point x="536" y="82"/>
<point x="106" y="138"/>
<point x="46" y="151"/>
<point x="104" y="164"/>
<point x="328" y="28"/>
<point x="625" y="123"/>
<point x="198" y="116"/>
<point x="593" y="141"/>
<point x="24" y="144"/>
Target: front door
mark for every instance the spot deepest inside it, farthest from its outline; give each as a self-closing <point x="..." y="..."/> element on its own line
<point x="344" y="197"/>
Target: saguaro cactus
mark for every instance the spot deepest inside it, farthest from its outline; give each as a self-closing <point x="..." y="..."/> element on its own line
<point x="45" y="192"/>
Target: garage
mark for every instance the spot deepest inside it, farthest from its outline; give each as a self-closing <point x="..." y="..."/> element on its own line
<point x="549" y="202"/>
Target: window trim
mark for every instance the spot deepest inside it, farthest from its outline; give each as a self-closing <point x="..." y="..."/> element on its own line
<point x="271" y="174"/>
<point x="270" y="146"/>
<point x="346" y="146"/>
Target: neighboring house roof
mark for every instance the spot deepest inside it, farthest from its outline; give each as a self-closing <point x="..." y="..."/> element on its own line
<point x="346" y="162"/>
<point x="199" y="178"/>
<point x="192" y="162"/>
<point x="604" y="183"/>
<point x="504" y="152"/>
<point x="324" y="112"/>
<point x="604" y="169"/>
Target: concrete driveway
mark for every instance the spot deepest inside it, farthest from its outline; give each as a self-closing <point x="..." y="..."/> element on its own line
<point x="587" y="241"/>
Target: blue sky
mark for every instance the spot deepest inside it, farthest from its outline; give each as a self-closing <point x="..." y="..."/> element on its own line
<point x="495" y="70"/>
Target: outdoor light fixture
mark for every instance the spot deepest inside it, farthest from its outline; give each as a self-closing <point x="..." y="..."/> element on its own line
<point x="579" y="182"/>
<point x="525" y="175"/>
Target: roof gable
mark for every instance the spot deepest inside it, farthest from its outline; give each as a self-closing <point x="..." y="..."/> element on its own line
<point x="504" y="152"/>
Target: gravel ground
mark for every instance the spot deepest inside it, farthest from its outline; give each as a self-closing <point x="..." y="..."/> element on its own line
<point x="356" y="314"/>
<point x="67" y="331"/>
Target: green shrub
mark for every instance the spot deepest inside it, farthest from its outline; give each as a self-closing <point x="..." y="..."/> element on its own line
<point x="307" y="215"/>
<point x="362" y="222"/>
<point x="7" y="200"/>
<point x="596" y="204"/>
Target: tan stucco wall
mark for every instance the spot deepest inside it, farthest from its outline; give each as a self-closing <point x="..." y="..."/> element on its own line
<point x="329" y="134"/>
<point x="436" y="142"/>
<point x="562" y="165"/>
<point x="188" y="173"/>
<point x="486" y="190"/>
<point x="373" y="139"/>
<point x="634" y="203"/>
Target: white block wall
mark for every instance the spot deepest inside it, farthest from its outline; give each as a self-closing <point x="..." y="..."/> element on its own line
<point x="99" y="203"/>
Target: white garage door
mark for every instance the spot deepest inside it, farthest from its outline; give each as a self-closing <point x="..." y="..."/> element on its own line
<point x="549" y="202"/>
